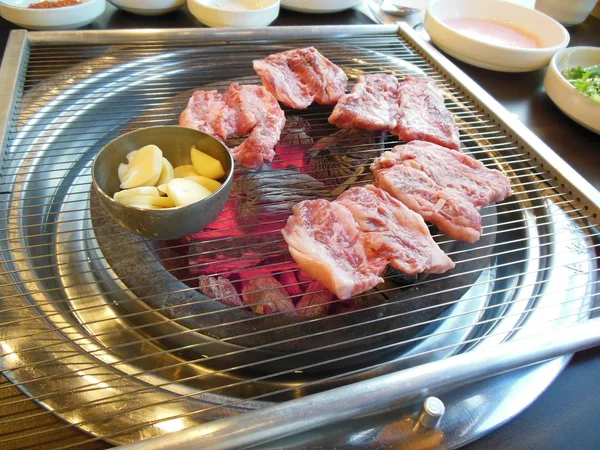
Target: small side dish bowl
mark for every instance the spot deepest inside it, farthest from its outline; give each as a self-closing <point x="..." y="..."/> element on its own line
<point x="567" y="12"/>
<point x="234" y="13"/>
<point x="319" y="6"/>
<point x="550" y="35"/>
<point x="569" y="100"/>
<point x="57" y="18"/>
<point x="148" y="7"/>
<point x="175" y="143"/>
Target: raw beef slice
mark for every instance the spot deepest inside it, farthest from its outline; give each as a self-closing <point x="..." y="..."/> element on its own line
<point x="444" y="186"/>
<point x="299" y="77"/>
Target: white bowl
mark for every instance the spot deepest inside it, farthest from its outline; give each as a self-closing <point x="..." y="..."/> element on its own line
<point x="551" y="35"/>
<point x="234" y="13"/>
<point x="567" y="12"/>
<point x="319" y="6"/>
<point x="148" y="7"/>
<point x="573" y="103"/>
<point x="61" y="18"/>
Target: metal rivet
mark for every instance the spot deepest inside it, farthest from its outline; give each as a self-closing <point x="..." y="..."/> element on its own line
<point x="432" y="412"/>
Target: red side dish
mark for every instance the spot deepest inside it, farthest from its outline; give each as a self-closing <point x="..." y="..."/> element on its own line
<point x="494" y="32"/>
<point x="55" y="4"/>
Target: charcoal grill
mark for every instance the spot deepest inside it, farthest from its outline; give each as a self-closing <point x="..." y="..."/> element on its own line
<point x="106" y="331"/>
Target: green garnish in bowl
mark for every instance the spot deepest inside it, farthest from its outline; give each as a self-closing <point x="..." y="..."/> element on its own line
<point x="586" y="80"/>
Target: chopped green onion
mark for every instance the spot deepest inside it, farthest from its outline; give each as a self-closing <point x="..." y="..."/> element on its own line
<point x="586" y="80"/>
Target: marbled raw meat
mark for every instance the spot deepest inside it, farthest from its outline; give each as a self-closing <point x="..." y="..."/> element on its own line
<point x="449" y="211"/>
<point x="445" y="187"/>
<point x="346" y="244"/>
<point x="412" y="109"/>
<point x="327" y="245"/>
<point x="372" y="104"/>
<point x="298" y="77"/>
<point x="422" y="114"/>
<point x="203" y="111"/>
<point x="393" y="232"/>
<point x="241" y="111"/>
<point x="259" y="116"/>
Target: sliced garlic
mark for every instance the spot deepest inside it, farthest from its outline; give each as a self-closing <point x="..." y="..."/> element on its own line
<point x="206" y="165"/>
<point x="122" y="171"/>
<point x="148" y="201"/>
<point x="185" y="192"/>
<point x="211" y="185"/>
<point x="130" y="155"/>
<point x="184" y="171"/>
<point x="143" y="190"/>
<point x="166" y="173"/>
<point x="144" y="167"/>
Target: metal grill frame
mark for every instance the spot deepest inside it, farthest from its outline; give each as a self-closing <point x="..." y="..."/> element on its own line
<point x="17" y="51"/>
<point x="573" y="185"/>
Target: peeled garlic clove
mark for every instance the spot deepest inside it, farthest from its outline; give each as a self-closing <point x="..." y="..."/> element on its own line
<point x="130" y="155"/>
<point x="122" y="172"/>
<point x="162" y="188"/>
<point x="184" y="171"/>
<point x="143" y="190"/>
<point x="185" y="192"/>
<point x="211" y="185"/>
<point x="206" y="165"/>
<point x="166" y="173"/>
<point x="144" y="168"/>
<point x="151" y="202"/>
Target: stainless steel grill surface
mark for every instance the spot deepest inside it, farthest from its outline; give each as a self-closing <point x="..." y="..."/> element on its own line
<point x="107" y="331"/>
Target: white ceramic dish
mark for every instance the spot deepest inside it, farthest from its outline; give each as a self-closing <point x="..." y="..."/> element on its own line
<point x="573" y="103"/>
<point x="234" y="13"/>
<point x="148" y="7"/>
<point x="319" y="6"/>
<point x="567" y="12"/>
<point x="62" y="18"/>
<point x="551" y="35"/>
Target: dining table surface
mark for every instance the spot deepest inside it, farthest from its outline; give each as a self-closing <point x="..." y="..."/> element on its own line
<point x="566" y="415"/>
